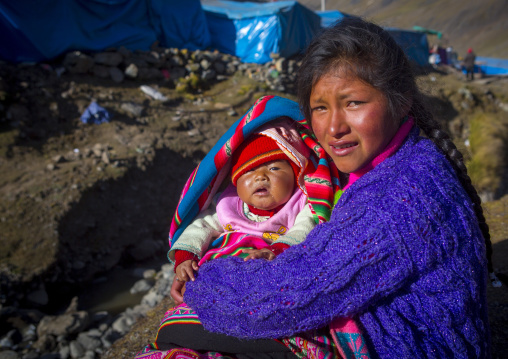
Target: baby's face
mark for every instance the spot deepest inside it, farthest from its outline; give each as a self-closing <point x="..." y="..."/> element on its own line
<point x="267" y="186"/>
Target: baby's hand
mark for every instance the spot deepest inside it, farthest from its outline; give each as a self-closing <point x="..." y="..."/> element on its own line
<point x="185" y="271"/>
<point x="259" y="253"/>
<point x="177" y="290"/>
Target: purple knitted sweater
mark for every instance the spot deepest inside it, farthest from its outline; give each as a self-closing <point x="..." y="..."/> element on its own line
<point x="402" y="254"/>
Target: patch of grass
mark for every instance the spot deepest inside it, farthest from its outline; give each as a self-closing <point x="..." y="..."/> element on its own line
<point x="489" y="148"/>
<point x="7" y="139"/>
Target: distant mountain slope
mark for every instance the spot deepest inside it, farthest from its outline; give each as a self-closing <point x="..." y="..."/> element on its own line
<point x="482" y="25"/>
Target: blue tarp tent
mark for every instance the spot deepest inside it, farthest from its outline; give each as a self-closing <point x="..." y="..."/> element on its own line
<point x="413" y="43"/>
<point x="330" y="17"/>
<point x="252" y="31"/>
<point x="38" y="30"/>
<point x="491" y="66"/>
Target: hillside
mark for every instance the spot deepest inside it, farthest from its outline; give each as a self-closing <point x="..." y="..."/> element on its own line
<point x="481" y="25"/>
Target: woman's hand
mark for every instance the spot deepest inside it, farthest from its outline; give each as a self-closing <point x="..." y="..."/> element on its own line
<point x="259" y="253"/>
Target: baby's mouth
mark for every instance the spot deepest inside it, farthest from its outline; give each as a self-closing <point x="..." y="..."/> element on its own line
<point x="261" y="190"/>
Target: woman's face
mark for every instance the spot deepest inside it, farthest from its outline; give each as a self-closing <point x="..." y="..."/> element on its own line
<point x="351" y="120"/>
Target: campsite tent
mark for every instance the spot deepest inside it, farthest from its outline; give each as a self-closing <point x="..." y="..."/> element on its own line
<point x="413" y="43"/>
<point x="252" y="31"/>
<point x="33" y="31"/>
<point x="329" y="17"/>
<point x="491" y="66"/>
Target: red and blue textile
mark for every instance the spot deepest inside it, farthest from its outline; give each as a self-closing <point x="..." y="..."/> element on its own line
<point x="321" y="184"/>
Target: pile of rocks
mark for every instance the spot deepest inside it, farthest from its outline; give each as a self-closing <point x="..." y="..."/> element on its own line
<point x="78" y="334"/>
<point x="178" y="66"/>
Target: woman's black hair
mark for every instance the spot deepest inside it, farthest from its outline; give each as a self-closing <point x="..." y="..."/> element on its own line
<point x="363" y="49"/>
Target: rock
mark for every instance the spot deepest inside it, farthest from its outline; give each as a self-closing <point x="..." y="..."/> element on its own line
<point x="6" y="343"/>
<point x="149" y="74"/>
<point x="140" y="286"/>
<point x="109" y="337"/>
<point x="108" y="58"/>
<point x="177" y="73"/>
<point x="281" y="64"/>
<point x="219" y="67"/>
<point x="78" y="63"/>
<point x="149" y="274"/>
<point x="105" y="157"/>
<point x="131" y="71"/>
<point x="122" y="324"/>
<point x="9" y="354"/>
<point x="50" y="356"/>
<point x="64" y="352"/>
<point x="133" y="108"/>
<point x="151" y="299"/>
<point x="34" y="355"/>
<point x="64" y="324"/>
<point x="76" y="349"/>
<point x="29" y="333"/>
<point x="89" y="342"/>
<point x="40" y="296"/>
<point x="192" y="67"/>
<point x="12" y="338"/>
<point x="167" y="271"/>
<point x="125" y="52"/>
<point x="45" y="343"/>
<point x="101" y="71"/>
<point x="205" y="64"/>
<point x="208" y="75"/>
<point x="58" y="159"/>
<point x="116" y="74"/>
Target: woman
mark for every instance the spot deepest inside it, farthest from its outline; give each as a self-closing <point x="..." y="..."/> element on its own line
<point x="404" y="252"/>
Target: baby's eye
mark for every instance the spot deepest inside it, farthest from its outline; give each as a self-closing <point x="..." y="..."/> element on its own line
<point x="274" y="168"/>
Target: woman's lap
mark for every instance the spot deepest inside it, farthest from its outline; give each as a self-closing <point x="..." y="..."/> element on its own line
<point x="181" y="330"/>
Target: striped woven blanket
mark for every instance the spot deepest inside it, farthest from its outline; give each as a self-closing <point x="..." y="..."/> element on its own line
<point x="321" y="184"/>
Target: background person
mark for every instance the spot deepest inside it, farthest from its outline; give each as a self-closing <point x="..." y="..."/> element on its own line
<point x="469" y="61"/>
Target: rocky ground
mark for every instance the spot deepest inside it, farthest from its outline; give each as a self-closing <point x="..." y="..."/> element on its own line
<point x="81" y="201"/>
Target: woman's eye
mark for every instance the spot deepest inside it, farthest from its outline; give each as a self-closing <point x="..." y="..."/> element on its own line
<point x="317" y="108"/>
<point x="354" y="103"/>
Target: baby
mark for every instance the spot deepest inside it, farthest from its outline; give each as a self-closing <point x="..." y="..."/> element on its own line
<point x="259" y="215"/>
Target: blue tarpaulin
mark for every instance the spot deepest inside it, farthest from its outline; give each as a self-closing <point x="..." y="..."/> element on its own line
<point x="492" y="66"/>
<point x="38" y="30"/>
<point x="252" y="31"/>
<point x="413" y="43"/>
<point x="330" y="17"/>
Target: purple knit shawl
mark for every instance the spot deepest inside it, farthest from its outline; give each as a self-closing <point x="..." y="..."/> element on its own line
<point x="402" y="254"/>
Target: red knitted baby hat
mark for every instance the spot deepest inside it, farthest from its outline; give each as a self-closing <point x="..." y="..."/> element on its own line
<point x="255" y="151"/>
